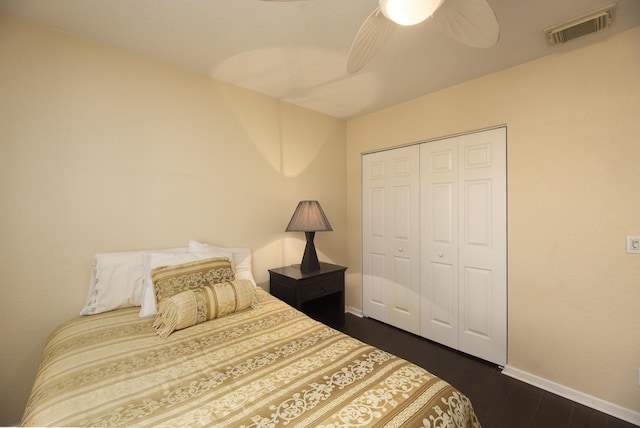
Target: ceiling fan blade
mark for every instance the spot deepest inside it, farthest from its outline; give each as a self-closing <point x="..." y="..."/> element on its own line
<point x="470" y="22"/>
<point x="372" y="35"/>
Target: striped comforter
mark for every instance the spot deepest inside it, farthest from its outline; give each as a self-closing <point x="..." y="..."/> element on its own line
<point x="266" y="367"/>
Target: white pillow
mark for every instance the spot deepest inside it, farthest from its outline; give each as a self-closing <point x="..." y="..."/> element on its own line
<point x="241" y="258"/>
<point x="154" y="260"/>
<point x="117" y="280"/>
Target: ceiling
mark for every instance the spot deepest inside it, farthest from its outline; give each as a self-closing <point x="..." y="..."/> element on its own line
<point x="296" y="51"/>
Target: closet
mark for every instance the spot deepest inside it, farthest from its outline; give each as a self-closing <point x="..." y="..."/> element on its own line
<point x="434" y="241"/>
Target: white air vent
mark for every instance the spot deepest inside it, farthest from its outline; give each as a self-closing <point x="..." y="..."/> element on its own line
<point x="593" y="22"/>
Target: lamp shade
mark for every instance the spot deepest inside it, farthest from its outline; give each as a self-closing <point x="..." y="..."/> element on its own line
<point x="308" y="217"/>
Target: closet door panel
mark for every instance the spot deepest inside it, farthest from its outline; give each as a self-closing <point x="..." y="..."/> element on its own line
<point x="374" y="231"/>
<point x="439" y="242"/>
<point x="482" y="251"/>
<point x="391" y="237"/>
<point x="400" y="291"/>
<point x="377" y="280"/>
<point x="476" y="292"/>
<point x="443" y="295"/>
<point x="477" y="213"/>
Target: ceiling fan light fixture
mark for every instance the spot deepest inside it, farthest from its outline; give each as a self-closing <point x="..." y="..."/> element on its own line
<point x="408" y="12"/>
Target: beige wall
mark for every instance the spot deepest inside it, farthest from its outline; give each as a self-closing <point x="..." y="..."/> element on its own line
<point x="102" y="150"/>
<point x="573" y="194"/>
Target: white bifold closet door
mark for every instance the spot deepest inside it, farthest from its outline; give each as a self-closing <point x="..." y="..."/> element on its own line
<point x="463" y="243"/>
<point x="434" y="241"/>
<point x="390" y="230"/>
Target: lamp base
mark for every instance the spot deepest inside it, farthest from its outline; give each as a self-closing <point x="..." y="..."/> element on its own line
<point x="310" y="261"/>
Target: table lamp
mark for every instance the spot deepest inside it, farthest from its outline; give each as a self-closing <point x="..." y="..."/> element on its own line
<point x="309" y="218"/>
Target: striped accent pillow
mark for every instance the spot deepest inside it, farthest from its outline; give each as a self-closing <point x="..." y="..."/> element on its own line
<point x="171" y="280"/>
<point x="193" y="307"/>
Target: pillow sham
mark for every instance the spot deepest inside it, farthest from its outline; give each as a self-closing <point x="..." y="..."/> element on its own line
<point x="154" y="260"/>
<point x="241" y="258"/>
<point x="171" y="280"/>
<point x="192" y="307"/>
<point x="117" y="280"/>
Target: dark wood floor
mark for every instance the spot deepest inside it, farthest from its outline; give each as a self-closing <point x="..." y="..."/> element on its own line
<point x="499" y="400"/>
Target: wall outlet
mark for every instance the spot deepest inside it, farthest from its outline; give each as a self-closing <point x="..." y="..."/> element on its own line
<point x="633" y="244"/>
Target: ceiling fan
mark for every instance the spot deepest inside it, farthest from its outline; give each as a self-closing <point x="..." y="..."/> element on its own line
<point x="470" y="22"/>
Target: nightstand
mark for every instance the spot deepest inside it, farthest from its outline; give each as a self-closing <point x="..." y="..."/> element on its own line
<point x="319" y="294"/>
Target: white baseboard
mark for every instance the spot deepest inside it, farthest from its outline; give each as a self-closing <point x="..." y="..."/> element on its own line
<point x="354" y="311"/>
<point x="574" y="395"/>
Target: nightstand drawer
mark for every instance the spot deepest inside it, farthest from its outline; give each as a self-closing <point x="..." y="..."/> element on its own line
<point x="321" y="288"/>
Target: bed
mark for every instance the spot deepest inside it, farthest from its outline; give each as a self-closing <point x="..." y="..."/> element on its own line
<point x="263" y="365"/>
